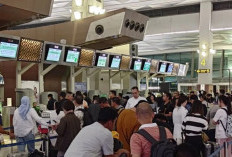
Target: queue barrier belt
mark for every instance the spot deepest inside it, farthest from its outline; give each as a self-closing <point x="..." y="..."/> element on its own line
<point x="26" y="142"/>
<point x="219" y="149"/>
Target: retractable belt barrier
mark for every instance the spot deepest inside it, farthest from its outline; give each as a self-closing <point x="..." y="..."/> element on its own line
<point x="220" y="148"/>
<point x="8" y="128"/>
<point x="26" y="142"/>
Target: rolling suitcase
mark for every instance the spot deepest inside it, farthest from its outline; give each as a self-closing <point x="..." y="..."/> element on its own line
<point x="211" y="147"/>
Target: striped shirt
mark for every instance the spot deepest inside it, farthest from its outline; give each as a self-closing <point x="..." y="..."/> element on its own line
<point x="194" y="124"/>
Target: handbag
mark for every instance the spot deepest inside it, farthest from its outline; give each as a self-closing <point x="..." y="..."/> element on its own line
<point x="205" y="138"/>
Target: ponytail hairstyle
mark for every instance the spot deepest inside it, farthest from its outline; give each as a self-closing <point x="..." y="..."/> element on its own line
<point x="181" y="100"/>
<point x="227" y="102"/>
<point x="58" y="107"/>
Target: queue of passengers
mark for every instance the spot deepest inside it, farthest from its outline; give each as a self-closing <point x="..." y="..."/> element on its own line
<point x="112" y="127"/>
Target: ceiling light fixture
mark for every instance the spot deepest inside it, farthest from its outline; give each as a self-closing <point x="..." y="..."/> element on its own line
<point x="78" y="3"/>
<point x="203" y="53"/>
<point x="212" y="51"/>
<point x="77" y="15"/>
<point x="204" y="46"/>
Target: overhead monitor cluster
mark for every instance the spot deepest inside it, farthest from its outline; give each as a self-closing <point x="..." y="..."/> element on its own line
<point x="28" y="50"/>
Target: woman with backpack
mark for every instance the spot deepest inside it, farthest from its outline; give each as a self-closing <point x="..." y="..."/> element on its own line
<point x="193" y="126"/>
<point x="79" y="107"/>
<point x="220" y="120"/>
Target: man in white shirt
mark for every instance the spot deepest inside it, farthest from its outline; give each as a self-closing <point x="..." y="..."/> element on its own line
<point x="96" y="140"/>
<point x="135" y="99"/>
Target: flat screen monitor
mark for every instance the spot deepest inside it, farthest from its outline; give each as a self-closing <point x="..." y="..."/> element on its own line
<point x="114" y="61"/>
<point x="136" y="64"/>
<point x="8" y="47"/>
<point x="101" y="59"/>
<point x="175" y="69"/>
<point x="147" y="65"/>
<point x="182" y="70"/>
<point x="53" y="52"/>
<point x="72" y="55"/>
<point x="154" y="66"/>
<point x="163" y="67"/>
<point x="169" y="68"/>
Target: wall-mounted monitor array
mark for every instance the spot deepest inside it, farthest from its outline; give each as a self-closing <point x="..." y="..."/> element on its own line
<point x="100" y="59"/>
<point x="114" y="61"/>
<point x="72" y="55"/>
<point x="29" y="50"/>
<point x="9" y="47"/>
<point x="52" y="53"/>
<point x="146" y="65"/>
<point x="136" y="64"/>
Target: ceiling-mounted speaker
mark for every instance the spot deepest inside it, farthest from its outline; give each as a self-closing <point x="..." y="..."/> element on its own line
<point x="133" y="49"/>
<point x="99" y="32"/>
<point x="123" y="27"/>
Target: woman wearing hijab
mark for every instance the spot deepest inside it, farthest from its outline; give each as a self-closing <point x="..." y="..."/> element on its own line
<point x="24" y="122"/>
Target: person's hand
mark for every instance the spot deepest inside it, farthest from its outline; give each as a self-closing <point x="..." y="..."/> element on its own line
<point x="121" y="151"/>
<point x="54" y="127"/>
<point x="12" y="136"/>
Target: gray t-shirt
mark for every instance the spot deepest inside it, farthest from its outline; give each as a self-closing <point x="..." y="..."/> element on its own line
<point x="210" y="115"/>
<point x="92" y="141"/>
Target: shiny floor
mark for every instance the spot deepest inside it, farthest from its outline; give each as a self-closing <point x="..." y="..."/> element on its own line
<point x="12" y="150"/>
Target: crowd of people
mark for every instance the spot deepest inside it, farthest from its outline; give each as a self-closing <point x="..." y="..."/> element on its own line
<point x="111" y="126"/>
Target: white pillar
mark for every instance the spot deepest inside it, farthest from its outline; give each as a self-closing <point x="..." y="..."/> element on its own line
<point x="72" y="79"/>
<point x="41" y="78"/>
<point x="18" y="75"/>
<point x="206" y="43"/>
<point x="138" y="80"/>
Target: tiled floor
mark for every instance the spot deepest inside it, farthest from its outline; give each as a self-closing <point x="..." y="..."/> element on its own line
<point x="5" y="151"/>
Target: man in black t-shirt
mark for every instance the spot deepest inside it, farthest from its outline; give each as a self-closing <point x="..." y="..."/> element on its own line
<point x="167" y="108"/>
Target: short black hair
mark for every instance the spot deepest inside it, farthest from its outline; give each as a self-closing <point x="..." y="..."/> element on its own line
<point x="78" y="93"/>
<point x="50" y="95"/>
<point x="116" y="100"/>
<point x="202" y="96"/>
<point x="69" y="93"/>
<point x="63" y="94"/>
<point x="107" y="114"/>
<point x="79" y="99"/>
<point x="85" y="94"/>
<point x="192" y="92"/>
<point x="193" y="97"/>
<point x="222" y="91"/>
<point x="68" y="105"/>
<point x="135" y="87"/>
<point x="169" y="95"/>
<point x="120" y="94"/>
<point x="103" y="100"/>
<point x="197" y="107"/>
<point x="113" y="92"/>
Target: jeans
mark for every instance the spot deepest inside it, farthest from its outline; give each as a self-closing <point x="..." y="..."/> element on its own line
<point x="30" y="146"/>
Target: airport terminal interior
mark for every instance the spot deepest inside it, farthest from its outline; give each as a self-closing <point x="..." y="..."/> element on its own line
<point x="115" y="78"/>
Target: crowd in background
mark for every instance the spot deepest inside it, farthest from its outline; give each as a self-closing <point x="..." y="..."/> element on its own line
<point x="110" y="126"/>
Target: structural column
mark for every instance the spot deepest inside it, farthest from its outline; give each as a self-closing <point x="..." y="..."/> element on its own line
<point x="206" y="44"/>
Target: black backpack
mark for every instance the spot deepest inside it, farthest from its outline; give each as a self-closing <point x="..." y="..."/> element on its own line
<point x="87" y="118"/>
<point x="163" y="148"/>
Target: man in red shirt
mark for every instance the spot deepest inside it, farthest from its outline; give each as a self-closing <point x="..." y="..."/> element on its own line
<point x="140" y="147"/>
